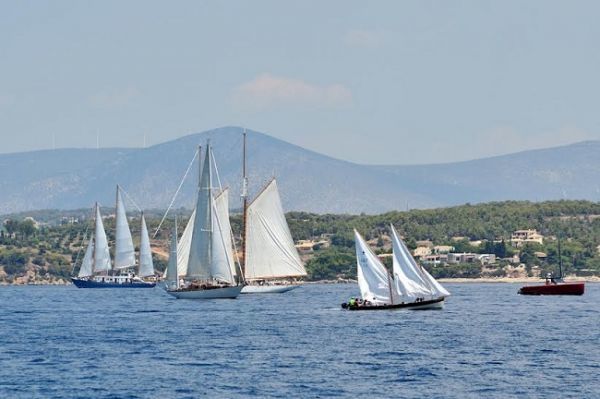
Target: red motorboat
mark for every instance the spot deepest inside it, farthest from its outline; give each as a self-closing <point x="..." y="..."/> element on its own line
<point x="555" y="286"/>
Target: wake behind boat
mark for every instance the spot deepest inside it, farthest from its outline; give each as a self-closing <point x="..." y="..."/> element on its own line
<point x="411" y="286"/>
<point x="204" y="256"/>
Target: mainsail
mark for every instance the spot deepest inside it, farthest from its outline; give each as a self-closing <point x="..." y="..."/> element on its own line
<point x="373" y="277"/>
<point x="413" y="280"/>
<point x="270" y="250"/>
<point x="124" y="250"/>
<point x="207" y="255"/>
<point x="101" y="250"/>
<point x="146" y="264"/>
<point x="86" y="268"/>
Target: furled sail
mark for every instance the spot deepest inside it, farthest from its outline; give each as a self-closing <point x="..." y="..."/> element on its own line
<point x="421" y="282"/>
<point x="222" y="267"/>
<point x="270" y="250"/>
<point x="172" y="276"/>
<point x="124" y="250"/>
<point x="146" y="264"/>
<point x="408" y="282"/>
<point x="101" y="250"/>
<point x="373" y="277"/>
<point x="86" y="268"/>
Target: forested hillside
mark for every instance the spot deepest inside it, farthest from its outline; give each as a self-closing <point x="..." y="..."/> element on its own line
<point x="45" y="252"/>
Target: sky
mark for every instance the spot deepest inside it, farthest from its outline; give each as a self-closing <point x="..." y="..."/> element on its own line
<point x="386" y="82"/>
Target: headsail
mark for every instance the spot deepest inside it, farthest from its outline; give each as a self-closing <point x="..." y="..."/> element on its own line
<point x="183" y="247"/>
<point x="172" y="275"/>
<point x="146" y="264"/>
<point x="223" y="266"/>
<point x="124" y="250"/>
<point x="373" y="277"/>
<point x="101" y="250"/>
<point x="270" y="250"/>
<point x="86" y="268"/>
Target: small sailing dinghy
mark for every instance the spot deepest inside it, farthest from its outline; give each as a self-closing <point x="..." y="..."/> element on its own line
<point x="204" y="255"/>
<point x="96" y="270"/>
<point x="410" y="287"/>
<point x="271" y="263"/>
<point x="555" y="285"/>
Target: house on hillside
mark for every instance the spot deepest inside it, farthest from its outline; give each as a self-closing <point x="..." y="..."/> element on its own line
<point x="420" y="252"/>
<point x="520" y="237"/>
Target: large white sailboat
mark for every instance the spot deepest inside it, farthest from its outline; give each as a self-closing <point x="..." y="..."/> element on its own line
<point x="96" y="270"/>
<point x="410" y="287"/>
<point x="204" y="254"/>
<point x="270" y="260"/>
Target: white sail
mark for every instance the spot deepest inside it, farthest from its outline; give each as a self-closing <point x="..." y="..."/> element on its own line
<point x="373" y="277"/>
<point x="201" y="243"/>
<point x="86" y="268"/>
<point x="408" y="282"/>
<point x="270" y="250"/>
<point x="183" y="247"/>
<point x="223" y="266"/>
<point x="124" y="251"/>
<point x="172" y="275"/>
<point x="419" y="280"/>
<point x="146" y="264"/>
<point x="101" y="250"/>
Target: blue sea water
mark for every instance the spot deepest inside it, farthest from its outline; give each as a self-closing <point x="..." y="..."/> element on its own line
<point x="489" y="342"/>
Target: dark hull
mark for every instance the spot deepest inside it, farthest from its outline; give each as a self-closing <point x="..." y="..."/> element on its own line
<point x="431" y="304"/>
<point x="554" y="289"/>
<point x="80" y="283"/>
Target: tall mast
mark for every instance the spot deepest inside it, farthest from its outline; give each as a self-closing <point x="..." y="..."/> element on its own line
<point x="245" y="206"/>
<point x="94" y="249"/>
<point x="199" y="165"/>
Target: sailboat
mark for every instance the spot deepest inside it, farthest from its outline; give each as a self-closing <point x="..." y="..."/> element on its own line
<point x="95" y="270"/>
<point x="410" y="287"/>
<point x="555" y="285"/>
<point x="270" y="258"/>
<point x="204" y="255"/>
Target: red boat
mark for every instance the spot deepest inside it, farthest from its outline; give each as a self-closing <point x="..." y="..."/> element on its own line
<point x="554" y="288"/>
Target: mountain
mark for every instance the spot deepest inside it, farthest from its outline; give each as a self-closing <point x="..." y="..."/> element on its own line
<point x="76" y="178"/>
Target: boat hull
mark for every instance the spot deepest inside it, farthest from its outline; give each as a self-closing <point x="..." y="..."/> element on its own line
<point x="215" y="293"/>
<point x="554" y="289"/>
<point x="82" y="283"/>
<point x="268" y="289"/>
<point x="437" y="303"/>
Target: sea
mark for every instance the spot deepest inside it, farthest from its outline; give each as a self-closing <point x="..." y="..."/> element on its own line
<point x="488" y="342"/>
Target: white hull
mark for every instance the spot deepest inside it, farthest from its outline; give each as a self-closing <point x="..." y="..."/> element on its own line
<point x="268" y="289"/>
<point x="215" y="293"/>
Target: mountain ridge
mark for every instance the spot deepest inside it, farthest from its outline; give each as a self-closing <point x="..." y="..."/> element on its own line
<point x="309" y="181"/>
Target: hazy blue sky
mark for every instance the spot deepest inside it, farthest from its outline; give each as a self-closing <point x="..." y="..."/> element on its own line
<point x="373" y="82"/>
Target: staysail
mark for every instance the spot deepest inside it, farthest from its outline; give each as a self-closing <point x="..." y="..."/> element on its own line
<point x="223" y="264"/>
<point x="86" y="268"/>
<point x="172" y="275"/>
<point x="101" y="250"/>
<point x="270" y="250"/>
<point x="124" y="250"/>
<point x="373" y="277"/>
<point x="146" y="264"/>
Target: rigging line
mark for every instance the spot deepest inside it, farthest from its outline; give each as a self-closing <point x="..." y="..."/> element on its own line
<point x="175" y="195"/>
<point x="130" y="199"/>
<point x="216" y="169"/>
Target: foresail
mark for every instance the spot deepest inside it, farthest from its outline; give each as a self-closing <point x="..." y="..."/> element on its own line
<point x="373" y="279"/>
<point x="101" y="250"/>
<point x="222" y="266"/>
<point x="172" y="275"/>
<point x="183" y="248"/>
<point x="124" y="250"/>
<point x="88" y="259"/>
<point x="270" y="250"/>
<point x="146" y="263"/>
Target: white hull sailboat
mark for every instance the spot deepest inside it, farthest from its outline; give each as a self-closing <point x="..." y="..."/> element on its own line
<point x="410" y="287"/>
<point x="271" y="263"/>
<point x="204" y="256"/>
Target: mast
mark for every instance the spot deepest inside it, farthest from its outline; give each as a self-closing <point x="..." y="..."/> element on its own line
<point x="244" y="206"/>
<point x="94" y="249"/>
